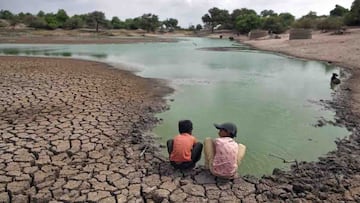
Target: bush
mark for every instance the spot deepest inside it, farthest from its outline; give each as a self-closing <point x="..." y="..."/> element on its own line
<point x="4" y="23"/>
<point x="74" y="23"/>
<point x="306" y="23"/>
<point x="38" y="23"/>
<point x="351" y="19"/>
<point x="330" y="23"/>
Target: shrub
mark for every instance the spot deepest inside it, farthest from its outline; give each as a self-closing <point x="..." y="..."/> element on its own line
<point x="330" y="23"/>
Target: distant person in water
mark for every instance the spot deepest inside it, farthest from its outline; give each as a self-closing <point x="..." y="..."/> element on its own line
<point x="184" y="150"/>
<point x="334" y="79"/>
<point x="223" y="155"/>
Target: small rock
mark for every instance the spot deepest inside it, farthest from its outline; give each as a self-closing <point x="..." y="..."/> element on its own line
<point x="196" y="190"/>
<point x="160" y="194"/>
<point x="178" y="196"/>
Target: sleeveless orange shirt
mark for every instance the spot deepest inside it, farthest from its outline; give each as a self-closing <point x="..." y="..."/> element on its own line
<point x="182" y="147"/>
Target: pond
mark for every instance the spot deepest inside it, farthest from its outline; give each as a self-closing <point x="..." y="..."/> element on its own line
<point x="272" y="99"/>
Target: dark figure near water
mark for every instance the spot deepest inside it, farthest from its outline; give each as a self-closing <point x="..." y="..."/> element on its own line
<point x="184" y="150"/>
<point x="334" y="79"/>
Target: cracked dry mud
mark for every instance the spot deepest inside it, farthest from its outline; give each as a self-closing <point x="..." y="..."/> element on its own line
<point x="72" y="131"/>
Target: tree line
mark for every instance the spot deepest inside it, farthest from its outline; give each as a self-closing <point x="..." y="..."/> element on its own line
<point x="95" y="20"/>
<point x="244" y="20"/>
<point x="241" y="20"/>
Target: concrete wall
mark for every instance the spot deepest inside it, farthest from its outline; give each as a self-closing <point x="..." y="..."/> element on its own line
<point x="254" y="34"/>
<point x="300" y="34"/>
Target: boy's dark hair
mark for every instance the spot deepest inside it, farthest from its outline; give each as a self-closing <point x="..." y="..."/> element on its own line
<point x="185" y="126"/>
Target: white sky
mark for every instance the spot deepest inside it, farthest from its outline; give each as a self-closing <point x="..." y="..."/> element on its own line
<point x="187" y="12"/>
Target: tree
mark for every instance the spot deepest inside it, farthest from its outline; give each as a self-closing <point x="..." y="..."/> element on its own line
<point x="117" y="23"/>
<point x="353" y="17"/>
<point x="311" y="15"/>
<point x="74" y="22"/>
<point x="338" y="11"/>
<point x="216" y="17"/>
<point x="40" y="14"/>
<point x="246" y="23"/>
<point x="5" y="14"/>
<point x="239" y="12"/>
<point x="95" y="19"/>
<point x="273" y="24"/>
<point x="286" y="19"/>
<point x="51" y="21"/>
<point x="149" y="22"/>
<point x="132" y="24"/>
<point x="61" y="17"/>
<point x="268" y="13"/>
<point x="171" y="23"/>
<point x="198" y="27"/>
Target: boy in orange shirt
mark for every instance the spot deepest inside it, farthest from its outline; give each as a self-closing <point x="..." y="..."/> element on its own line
<point x="184" y="150"/>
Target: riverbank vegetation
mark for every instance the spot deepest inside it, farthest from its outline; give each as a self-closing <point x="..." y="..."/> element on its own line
<point x="244" y="20"/>
<point x="239" y="20"/>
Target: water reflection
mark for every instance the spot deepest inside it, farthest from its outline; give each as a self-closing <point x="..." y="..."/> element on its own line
<point x="48" y="52"/>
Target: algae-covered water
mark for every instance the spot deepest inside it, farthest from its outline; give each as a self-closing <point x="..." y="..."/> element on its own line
<point x="272" y="99"/>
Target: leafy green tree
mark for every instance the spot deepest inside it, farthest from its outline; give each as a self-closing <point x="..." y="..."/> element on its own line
<point x="74" y="23"/>
<point x="132" y="24"/>
<point x="51" y="21"/>
<point x="41" y="14"/>
<point x="246" y="23"/>
<point x="353" y="17"/>
<point x="96" y="18"/>
<point x="286" y="19"/>
<point x="339" y="11"/>
<point x="238" y="12"/>
<point x="117" y="23"/>
<point x="5" y="14"/>
<point x="171" y="23"/>
<point x="61" y="17"/>
<point x="311" y="15"/>
<point x="216" y="17"/>
<point x="149" y="22"/>
<point x="268" y="13"/>
<point x="274" y="24"/>
<point x="198" y="27"/>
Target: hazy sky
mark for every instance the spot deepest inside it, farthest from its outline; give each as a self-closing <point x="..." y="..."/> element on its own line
<point x="188" y="12"/>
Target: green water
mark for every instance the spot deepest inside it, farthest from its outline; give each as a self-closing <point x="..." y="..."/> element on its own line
<point x="269" y="97"/>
